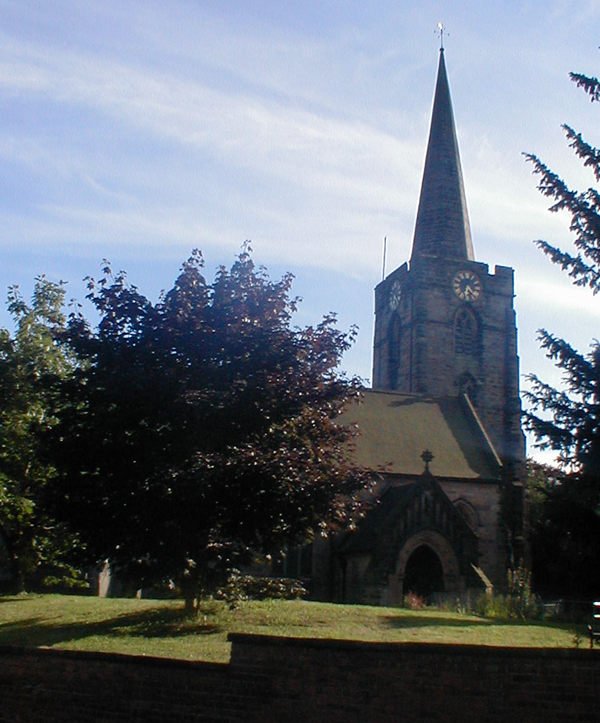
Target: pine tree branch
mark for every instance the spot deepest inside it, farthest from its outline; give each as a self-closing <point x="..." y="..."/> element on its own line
<point x="589" y="154"/>
<point x="589" y="84"/>
<point x="578" y="369"/>
<point x="582" y="274"/>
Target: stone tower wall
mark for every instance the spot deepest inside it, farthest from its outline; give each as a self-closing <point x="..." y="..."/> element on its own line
<point x="418" y="336"/>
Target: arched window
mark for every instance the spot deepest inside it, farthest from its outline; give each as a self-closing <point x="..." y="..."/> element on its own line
<point x="394" y="352"/>
<point x="466" y="332"/>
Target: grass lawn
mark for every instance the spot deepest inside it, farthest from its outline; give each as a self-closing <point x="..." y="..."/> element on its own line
<point x="157" y="628"/>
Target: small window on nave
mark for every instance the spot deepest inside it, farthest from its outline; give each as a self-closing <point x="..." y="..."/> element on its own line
<point x="466" y="334"/>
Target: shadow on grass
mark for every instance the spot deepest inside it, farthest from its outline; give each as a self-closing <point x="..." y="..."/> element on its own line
<point x="161" y="623"/>
<point x="418" y="621"/>
<point x="14" y="598"/>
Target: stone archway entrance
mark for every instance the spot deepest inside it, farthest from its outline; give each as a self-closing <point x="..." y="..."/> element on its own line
<point x="423" y="573"/>
<point x="414" y="540"/>
<point x="426" y="564"/>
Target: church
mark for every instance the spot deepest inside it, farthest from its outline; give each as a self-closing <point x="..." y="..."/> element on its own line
<point x="441" y="427"/>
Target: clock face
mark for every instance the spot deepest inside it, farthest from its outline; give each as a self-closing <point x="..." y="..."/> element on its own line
<point x="395" y="295"/>
<point x="466" y="285"/>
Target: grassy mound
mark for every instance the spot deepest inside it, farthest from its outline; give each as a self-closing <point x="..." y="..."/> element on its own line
<point x="158" y="628"/>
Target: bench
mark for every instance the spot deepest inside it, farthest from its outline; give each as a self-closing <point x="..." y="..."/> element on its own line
<point x="594" y="625"/>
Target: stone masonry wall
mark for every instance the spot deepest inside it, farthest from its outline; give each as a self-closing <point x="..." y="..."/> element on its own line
<point x="291" y="679"/>
<point x="485" y="499"/>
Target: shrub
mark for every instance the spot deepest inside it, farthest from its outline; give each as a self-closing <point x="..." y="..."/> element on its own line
<point x="524" y="604"/>
<point x="520" y="602"/>
<point x="413" y="601"/>
<point x="493" y="606"/>
<point x="252" y="587"/>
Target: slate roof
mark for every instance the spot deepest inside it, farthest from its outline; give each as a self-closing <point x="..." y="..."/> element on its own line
<point x="395" y="428"/>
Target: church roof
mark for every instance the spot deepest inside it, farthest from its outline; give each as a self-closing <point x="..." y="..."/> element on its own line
<point x="395" y="429"/>
<point x="442" y="228"/>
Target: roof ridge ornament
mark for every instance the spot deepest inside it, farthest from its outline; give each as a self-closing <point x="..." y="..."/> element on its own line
<point x="427" y="457"/>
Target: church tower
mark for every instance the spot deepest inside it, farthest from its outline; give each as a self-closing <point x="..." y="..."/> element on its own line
<point x="440" y="430"/>
<point x="444" y="324"/>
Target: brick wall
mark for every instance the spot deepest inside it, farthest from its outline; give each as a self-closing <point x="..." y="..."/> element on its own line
<point x="284" y="679"/>
<point x="52" y="685"/>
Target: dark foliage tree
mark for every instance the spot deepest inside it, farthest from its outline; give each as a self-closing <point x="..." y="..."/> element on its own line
<point x="583" y="265"/>
<point x="564" y="535"/>
<point x="568" y="420"/>
<point x="35" y="547"/>
<point x="202" y="428"/>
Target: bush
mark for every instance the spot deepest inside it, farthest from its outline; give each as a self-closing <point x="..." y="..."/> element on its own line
<point x="413" y="601"/>
<point x="251" y="587"/>
<point x="524" y="604"/>
<point x="520" y="602"/>
<point x="493" y="606"/>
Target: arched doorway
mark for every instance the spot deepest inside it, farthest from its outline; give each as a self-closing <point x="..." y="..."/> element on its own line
<point x="423" y="574"/>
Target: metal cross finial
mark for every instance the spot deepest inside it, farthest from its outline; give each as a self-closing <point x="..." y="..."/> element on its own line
<point x="440" y="31"/>
<point x="427" y="457"/>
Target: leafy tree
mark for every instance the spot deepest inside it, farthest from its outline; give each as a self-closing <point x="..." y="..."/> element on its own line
<point x="34" y="545"/>
<point x="201" y="428"/>
<point x="568" y="420"/>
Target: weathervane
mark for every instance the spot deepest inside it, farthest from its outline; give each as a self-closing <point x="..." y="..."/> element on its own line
<point x="440" y="31"/>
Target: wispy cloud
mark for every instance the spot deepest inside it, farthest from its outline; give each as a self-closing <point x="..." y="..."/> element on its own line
<point x="331" y="162"/>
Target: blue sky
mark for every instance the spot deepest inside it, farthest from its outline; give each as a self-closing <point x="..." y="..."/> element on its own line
<point x="135" y="131"/>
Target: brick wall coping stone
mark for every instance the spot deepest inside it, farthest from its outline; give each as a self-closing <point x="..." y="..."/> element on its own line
<point x="423" y="648"/>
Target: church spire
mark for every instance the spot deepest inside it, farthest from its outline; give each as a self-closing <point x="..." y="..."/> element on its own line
<point x="442" y="228"/>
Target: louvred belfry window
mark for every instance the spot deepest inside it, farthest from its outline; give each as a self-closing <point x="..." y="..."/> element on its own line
<point x="466" y="333"/>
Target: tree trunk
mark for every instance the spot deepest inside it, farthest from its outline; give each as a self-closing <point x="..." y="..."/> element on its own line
<point x="189" y="588"/>
<point x="191" y="606"/>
